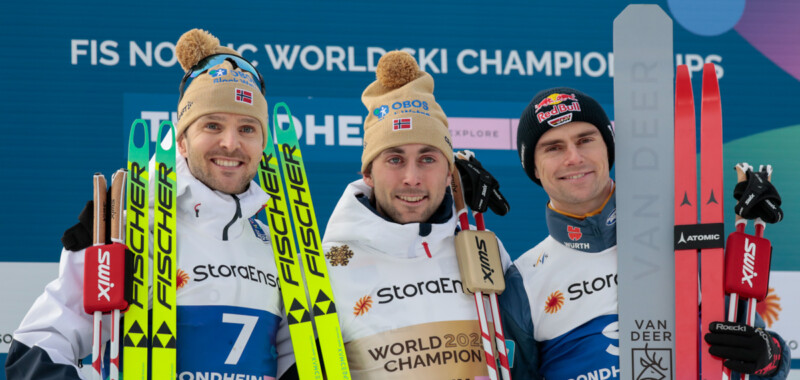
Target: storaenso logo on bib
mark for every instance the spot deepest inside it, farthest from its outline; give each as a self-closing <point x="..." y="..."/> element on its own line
<point x="399" y="292"/>
<point x="578" y="289"/>
<point x="249" y="272"/>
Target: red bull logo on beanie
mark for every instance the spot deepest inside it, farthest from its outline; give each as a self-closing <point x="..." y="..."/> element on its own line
<point x="554" y="99"/>
<point x="557" y="110"/>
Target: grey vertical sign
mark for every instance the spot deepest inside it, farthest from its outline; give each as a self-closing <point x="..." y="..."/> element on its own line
<point x="644" y="128"/>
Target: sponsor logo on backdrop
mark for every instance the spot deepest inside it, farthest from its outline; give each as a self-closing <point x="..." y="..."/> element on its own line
<point x="770" y="307"/>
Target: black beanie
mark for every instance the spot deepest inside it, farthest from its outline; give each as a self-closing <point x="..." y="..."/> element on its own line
<point x="552" y="108"/>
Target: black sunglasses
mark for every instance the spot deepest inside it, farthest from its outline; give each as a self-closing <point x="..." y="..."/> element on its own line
<point x="212" y="60"/>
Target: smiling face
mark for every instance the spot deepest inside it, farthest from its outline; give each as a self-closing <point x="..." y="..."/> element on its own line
<point x="409" y="182"/>
<point x="572" y="162"/>
<point x="223" y="150"/>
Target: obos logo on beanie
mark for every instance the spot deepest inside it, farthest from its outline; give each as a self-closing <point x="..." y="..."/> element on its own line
<point x="553" y="108"/>
<point x="222" y="88"/>
<point x="402" y="109"/>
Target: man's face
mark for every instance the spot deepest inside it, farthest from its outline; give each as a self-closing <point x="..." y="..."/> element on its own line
<point x="409" y="182"/>
<point x="572" y="163"/>
<point x="223" y="150"/>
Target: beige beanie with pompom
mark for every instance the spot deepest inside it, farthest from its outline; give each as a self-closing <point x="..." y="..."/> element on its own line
<point x="221" y="88"/>
<point x="402" y="110"/>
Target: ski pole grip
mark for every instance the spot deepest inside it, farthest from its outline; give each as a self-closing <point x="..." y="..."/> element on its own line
<point x="99" y="220"/>
<point x="747" y="263"/>
<point x="117" y="206"/>
<point x="479" y="261"/>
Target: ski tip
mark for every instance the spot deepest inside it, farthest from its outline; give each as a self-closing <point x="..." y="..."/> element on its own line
<point x="639" y="11"/>
<point x="709" y="73"/>
<point x="139" y="128"/>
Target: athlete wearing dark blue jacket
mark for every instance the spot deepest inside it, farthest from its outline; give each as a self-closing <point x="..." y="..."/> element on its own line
<point x="560" y="303"/>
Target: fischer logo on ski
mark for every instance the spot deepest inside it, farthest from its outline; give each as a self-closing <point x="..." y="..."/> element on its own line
<point x="302" y="246"/>
<point x="136" y="331"/>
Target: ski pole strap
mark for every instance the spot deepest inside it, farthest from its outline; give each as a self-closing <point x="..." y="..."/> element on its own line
<point x="758" y="198"/>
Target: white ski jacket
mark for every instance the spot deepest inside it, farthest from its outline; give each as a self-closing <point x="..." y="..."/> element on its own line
<point x="229" y="309"/>
<point x="401" y="303"/>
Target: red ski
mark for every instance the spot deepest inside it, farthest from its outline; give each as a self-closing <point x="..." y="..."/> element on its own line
<point x="708" y="235"/>
<point x="711" y="212"/>
<point x="686" y="302"/>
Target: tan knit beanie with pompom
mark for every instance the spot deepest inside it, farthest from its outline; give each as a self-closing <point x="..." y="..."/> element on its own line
<point x="222" y="88"/>
<point x="402" y="110"/>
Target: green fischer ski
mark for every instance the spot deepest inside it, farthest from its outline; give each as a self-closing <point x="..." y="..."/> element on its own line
<point x="310" y="249"/>
<point x="291" y="277"/>
<point x="165" y="257"/>
<point x="135" y="330"/>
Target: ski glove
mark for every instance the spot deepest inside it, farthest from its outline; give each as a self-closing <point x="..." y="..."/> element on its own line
<point x="744" y="349"/>
<point x="79" y="236"/>
<point x="757" y="197"/>
<point x="481" y="190"/>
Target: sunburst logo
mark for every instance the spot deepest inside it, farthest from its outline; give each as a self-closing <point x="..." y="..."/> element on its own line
<point x="362" y="306"/>
<point x="770" y="307"/>
<point x="182" y="278"/>
<point x="554" y="302"/>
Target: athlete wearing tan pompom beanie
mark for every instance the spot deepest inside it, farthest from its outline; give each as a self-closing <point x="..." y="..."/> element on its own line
<point x="232" y="85"/>
<point x="402" y="109"/>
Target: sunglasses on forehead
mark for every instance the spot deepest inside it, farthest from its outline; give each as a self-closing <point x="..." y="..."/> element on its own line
<point x="212" y="60"/>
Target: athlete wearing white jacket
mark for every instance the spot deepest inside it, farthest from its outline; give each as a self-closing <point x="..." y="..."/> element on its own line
<point x="229" y="314"/>
<point x="402" y="307"/>
<point x="227" y="290"/>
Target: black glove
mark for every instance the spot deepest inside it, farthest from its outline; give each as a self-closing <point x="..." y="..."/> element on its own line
<point x="481" y="190"/>
<point x="743" y="348"/>
<point x="757" y="197"/>
<point x="79" y="236"/>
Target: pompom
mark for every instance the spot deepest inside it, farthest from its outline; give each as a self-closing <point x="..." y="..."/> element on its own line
<point x="396" y="68"/>
<point x="193" y="46"/>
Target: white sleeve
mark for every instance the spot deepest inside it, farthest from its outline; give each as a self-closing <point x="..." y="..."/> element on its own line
<point x="57" y="322"/>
